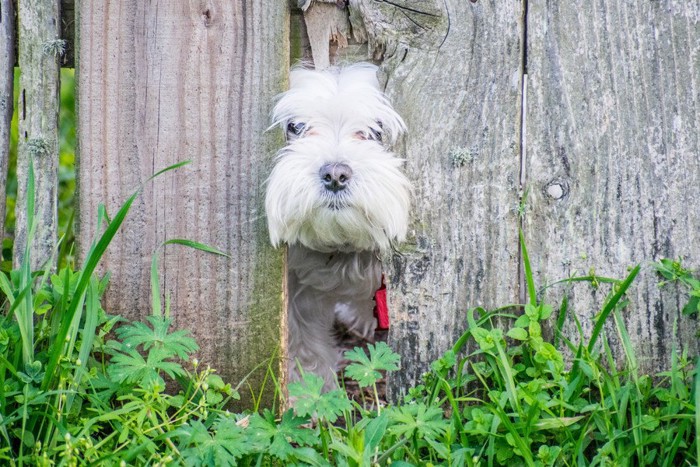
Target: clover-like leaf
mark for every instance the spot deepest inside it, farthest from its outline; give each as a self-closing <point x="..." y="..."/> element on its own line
<point x="287" y="435"/>
<point x="546" y="311"/>
<point x="131" y="367"/>
<point x="487" y="339"/>
<point x="420" y="420"/>
<point x="32" y="373"/>
<point x="311" y="400"/>
<point x="221" y="445"/>
<point x="177" y="343"/>
<point x="366" y="369"/>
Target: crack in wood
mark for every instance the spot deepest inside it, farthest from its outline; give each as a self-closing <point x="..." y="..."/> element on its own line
<point x="412" y="10"/>
<point x="522" y="287"/>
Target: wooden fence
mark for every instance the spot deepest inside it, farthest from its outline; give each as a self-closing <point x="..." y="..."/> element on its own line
<point x="578" y="125"/>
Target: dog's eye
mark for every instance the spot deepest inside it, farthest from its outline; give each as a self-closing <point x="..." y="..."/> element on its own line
<point x="371" y="134"/>
<point x="296" y="128"/>
<point x="375" y="134"/>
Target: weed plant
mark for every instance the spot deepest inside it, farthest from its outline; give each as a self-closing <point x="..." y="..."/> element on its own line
<point x="71" y="395"/>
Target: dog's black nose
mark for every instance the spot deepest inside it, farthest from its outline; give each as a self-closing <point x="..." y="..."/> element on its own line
<point x="335" y="176"/>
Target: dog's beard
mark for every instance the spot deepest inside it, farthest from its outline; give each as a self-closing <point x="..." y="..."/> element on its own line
<point x="368" y="214"/>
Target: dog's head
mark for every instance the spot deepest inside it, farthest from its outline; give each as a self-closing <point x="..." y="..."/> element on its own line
<point x="335" y="185"/>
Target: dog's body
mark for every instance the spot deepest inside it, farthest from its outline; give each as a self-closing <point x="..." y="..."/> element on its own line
<point x="338" y="198"/>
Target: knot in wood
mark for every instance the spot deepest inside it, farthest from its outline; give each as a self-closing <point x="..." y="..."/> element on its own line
<point x="206" y="15"/>
<point x="557" y="189"/>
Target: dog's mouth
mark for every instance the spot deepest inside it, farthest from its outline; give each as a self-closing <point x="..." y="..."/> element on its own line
<point x="334" y="201"/>
<point x="336" y="204"/>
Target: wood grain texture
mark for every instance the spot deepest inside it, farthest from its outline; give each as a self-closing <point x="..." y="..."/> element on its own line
<point x="453" y="73"/>
<point x="161" y="82"/>
<point x="613" y="150"/>
<point x="39" y="56"/>
<point x="326" y="25"/>
<point x="341" y="50"/>
<point x="7" y="63"/>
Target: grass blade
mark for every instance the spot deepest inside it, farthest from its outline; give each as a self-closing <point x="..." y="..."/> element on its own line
<point x="156" y="306"/>
<point x="167" y="169"/>
<point x="195" y="245"/>
<point x="6" y="288"/>
<point x="561" y="318"/>
<point x="88" y="337"/>
<point x="592" y="279"/>
<point x="531" y="291"/>
<point x="610" y="306"/>
<point x="507" y="373"/>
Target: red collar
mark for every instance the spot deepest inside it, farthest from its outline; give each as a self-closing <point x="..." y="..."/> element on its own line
<point x="381" y="311"/>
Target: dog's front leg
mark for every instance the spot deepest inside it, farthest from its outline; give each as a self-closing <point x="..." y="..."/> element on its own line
<point x="326" y="287"/>
<point x="312" y="347"/>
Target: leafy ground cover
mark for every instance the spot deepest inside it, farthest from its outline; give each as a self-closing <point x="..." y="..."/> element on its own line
<point x="80" y="387"/>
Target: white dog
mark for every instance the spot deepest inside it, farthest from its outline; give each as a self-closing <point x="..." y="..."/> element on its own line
<point x="338" y="198"/>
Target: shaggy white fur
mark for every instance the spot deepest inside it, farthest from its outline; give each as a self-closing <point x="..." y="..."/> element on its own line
<point x="338" y="198"/>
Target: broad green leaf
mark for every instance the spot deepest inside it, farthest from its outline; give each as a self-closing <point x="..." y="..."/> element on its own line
<point x="375" y="431"/>
<point x="312" y="401"/>
<point x="517" y="334"/>
<point x="555" y="422"/>
<point x="366" y="369"/>
<point x="417" y="419"/>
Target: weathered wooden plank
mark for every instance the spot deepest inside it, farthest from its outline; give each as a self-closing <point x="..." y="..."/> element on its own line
<point x="453" y="71"/>
<point x="613" y="168"/>
<point x="67" y="9"/>
<point x="7" y="62"/>
<point x="40" y="49"/>
<point x="161" y="82"/>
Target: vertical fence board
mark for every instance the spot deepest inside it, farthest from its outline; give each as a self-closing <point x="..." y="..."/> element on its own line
<point x="40" y="49"/>
<point x="7" y="63"/>
<point x="161" y="82"/>
<point x="454" y="75"/>
<point x="613" y="155"/>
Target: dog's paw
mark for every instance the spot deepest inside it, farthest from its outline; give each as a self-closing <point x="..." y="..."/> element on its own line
<point x="361" y="323"/>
